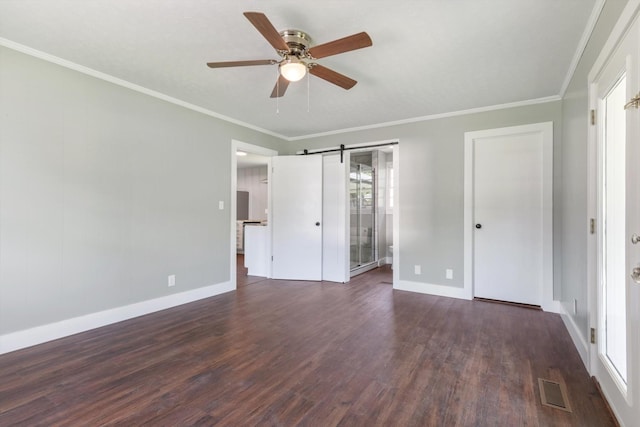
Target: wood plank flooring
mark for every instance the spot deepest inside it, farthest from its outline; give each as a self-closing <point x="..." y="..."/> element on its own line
<point x="285" y="353"/>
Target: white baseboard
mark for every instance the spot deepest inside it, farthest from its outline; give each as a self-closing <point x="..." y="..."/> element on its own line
<point x="430" y="289"/>
<point x="579" y="341"/>
<point x="384" y="261"/>
<point x="40" y="334"/>
<point x="553" y="306"/>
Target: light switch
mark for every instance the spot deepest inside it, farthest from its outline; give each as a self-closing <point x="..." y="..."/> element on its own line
<point x="221" y="205"/>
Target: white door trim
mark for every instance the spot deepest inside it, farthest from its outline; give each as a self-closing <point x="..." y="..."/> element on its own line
<point x="254" y="149"/>
<point x="619" y="31"/>
<point x="546" y="129"/>
<point x="621" y="404"/>
<point x="396" y="215"/>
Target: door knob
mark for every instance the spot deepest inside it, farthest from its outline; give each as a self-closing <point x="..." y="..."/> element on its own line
<point x="635" y="239"/>
<point x="635" y="274"/>
<point x="478" y="226"/>
<point x="318" y="224"/>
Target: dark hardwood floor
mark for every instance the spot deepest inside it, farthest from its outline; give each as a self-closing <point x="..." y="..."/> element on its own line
<point x="284" y="353"/>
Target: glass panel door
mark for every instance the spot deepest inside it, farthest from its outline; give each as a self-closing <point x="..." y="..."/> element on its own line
<point x="363" y="207"/>
<point x="614" y="356"/>
<point x="613" y="267"/>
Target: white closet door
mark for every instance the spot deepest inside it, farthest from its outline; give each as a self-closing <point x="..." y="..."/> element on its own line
<point x="508" y="251"/>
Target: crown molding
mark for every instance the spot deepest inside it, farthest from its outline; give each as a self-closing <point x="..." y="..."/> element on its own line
<point x="120" y="82"/>
<point x="553" y="98"/>
<point x="126" y="84"/>
<point x="582" y="44"/>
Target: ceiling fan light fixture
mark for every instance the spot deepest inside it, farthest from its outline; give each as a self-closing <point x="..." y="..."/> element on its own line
<point x="293" y="69"/>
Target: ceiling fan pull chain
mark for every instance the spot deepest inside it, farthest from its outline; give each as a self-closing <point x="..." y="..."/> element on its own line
<point x="308" y="92"/>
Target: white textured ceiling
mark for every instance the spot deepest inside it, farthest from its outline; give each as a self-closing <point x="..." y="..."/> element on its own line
<point x="428" y="57"/>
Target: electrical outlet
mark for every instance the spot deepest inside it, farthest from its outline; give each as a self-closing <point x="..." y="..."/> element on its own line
<point x="449" y="273"/>
<point x="221" y="204"/>
<point x="171" y="280"/>
<point x="417" y="269"/>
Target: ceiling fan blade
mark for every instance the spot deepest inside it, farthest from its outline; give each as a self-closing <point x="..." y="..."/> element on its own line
<point x="345" y="44"/>
<point x="266" y="28"/>
<point x="332" y="76"/>
<point x="280" y="88"/>
<point x="240" y="63"/>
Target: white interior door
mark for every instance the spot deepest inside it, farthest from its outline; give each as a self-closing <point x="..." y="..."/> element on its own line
<point x="296" y="197"/>
<point x="614" y="356"/>
<point x="510" y="259"/>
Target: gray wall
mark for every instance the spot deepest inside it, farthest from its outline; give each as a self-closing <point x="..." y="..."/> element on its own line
<point x="573" y="203"/>
<point x="104" y="192"/>
<point x="431" y="187"/>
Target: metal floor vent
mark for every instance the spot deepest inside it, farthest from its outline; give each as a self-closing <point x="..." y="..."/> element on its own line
<point x="554" y="394"/>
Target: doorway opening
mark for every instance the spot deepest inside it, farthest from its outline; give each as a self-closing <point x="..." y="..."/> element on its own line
<point x="250" y="211"/>
<point x="362" y="195"/>
<point x="370" y="209"/>
<point x="286" y="209"/>
<point x="252" y="202"/>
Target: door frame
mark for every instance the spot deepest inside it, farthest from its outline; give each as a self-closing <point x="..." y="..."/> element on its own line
<point x="546" y="130"/>
<point x="620" y="31"/>
<point x="253" y="149"/>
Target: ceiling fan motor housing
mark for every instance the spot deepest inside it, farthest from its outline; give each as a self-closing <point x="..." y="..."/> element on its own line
<point x="298" y="42"/>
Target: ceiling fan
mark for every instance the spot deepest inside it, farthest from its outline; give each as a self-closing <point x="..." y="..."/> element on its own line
<point x="296" y="56"/>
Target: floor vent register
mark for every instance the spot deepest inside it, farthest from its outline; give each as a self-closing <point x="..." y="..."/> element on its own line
<point x="554" y="394"/>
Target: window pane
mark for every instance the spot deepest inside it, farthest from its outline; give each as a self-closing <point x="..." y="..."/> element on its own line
<point x="614" y="276"/>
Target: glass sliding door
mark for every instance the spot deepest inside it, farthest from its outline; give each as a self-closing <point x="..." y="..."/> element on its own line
<point x="362" y="193"/>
